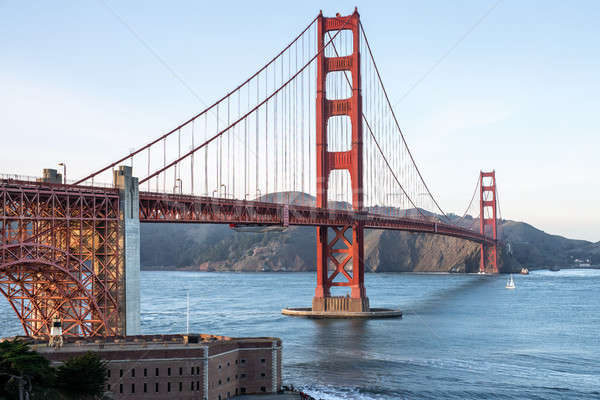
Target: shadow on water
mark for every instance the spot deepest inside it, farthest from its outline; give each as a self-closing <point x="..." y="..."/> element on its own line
<point x="440" y="298"/>
<point x="341" y="350"/>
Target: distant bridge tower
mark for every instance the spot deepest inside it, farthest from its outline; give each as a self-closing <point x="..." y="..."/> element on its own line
<point x="339" y="252"/>
<point x="487" y="204"/>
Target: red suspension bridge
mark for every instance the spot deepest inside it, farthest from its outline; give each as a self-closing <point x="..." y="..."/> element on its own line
<point x="309" y="139"/>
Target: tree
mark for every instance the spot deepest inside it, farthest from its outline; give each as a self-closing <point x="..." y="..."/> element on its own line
<point x="82" y="377"/>
<point x="24" y="373"/>
<point x="27" y="375"/>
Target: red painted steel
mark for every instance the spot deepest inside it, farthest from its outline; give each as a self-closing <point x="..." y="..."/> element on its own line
<point x="487" y="202"/>
<point x="350" y="266"/>
<point x="59" y="256"/>
<point x="175" y="208"/>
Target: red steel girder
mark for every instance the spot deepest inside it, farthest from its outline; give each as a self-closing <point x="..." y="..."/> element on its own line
<point x="59" y="256"/>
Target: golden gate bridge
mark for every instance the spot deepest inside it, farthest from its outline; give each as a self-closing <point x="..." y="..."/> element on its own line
<point x="311" y="139"/>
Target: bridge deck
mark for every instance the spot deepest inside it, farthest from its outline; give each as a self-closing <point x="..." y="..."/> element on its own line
<point x="159" y="207"/>
<point x="175" y="208"/>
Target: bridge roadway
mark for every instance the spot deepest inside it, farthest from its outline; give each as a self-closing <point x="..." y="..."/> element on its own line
<point x="177" y="208"/>
<point x="174" y="208"/>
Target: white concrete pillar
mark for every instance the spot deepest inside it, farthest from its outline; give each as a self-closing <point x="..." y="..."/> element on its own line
<point x="129" y="199"/>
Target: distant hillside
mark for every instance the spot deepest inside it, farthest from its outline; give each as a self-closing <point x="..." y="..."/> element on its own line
<point x="218" y="247"/>
<point x="536" y="248"/>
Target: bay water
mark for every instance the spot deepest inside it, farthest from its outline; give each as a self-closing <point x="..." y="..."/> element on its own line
<point x="461" y="337"/>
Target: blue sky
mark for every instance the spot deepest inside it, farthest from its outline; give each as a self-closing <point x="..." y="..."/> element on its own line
<point x="520" y="93"/>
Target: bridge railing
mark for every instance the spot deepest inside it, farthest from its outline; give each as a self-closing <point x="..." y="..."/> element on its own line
<point x="16" y="177"/>
<point x="37" y="179"/>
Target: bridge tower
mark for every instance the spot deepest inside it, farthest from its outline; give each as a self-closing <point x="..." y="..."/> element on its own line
<point x="329" y="250"/>
<point x="487" y="205"/>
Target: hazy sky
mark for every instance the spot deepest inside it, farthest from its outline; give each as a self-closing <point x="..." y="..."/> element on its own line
<point x="519" y="93"/>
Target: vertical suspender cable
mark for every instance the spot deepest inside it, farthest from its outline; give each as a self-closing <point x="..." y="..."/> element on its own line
<point x="148" y="167"/>
<point x="275" y="132"/>
<point x="192" y="159"/>
<point x="206" y="155"/>
<point x="302" y="152"/>
<point x="219" y="155"/>
<point x="229" y="133"/>
<point x="267" y="133"/>
<point x="257" y="134"/>
<point x="295" y="131"/>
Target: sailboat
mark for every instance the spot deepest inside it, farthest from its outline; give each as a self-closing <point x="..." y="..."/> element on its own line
<point x="510" y="284"/>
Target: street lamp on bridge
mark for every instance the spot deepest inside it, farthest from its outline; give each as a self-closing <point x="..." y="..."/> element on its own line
<point x="64" y="165"/>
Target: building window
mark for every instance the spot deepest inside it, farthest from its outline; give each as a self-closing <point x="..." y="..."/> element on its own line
<point x="262" y="374"/>
<point x="108" y="373"/>
<point x="121" y="388"/>
<point x="120" y="373"/>
<point x="145" y="371"/>
<point x="156" y="372"/>
<point x="236" y="361"/>
<point x="192" y="370"/>
<point x="108" y="387"/>
<point x="262" y="360"/>
<point x="197" y="370"/>
<point x="197" y="385"/>
<point x="219" y="397"/>
<point x="133" y="388"/>
<point x="243" y="390"/>
<point x="228" y="379"/>
<point x="180" y="386"/>
<point x="133" y="372"/>
<point x="169" y="371"/>
<point x="168" y="386"/>
<point x="243" y="376"/>
<point x="219" y="366"/>
<point x="191" y="386"/>
<point x="243" y="361"/>
<point x="145" y="387"/>
<point x="219" y="381"/>
<point x="180" y="371"/>
<point x="228" y="363"/>
<point x="263" y="389"/>
<point x="156" y="387"/>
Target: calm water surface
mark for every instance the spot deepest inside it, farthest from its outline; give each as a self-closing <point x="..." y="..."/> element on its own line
<point x="462" y="336"/>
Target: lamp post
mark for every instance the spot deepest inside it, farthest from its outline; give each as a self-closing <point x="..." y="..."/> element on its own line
<point x="178" y="185"/>
<point x="64" y="165"/>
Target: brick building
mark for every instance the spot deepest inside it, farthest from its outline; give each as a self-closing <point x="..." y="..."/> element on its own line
<point x="191" y="366"/>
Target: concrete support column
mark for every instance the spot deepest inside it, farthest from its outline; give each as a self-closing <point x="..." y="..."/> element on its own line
<point x="205" y="374"/>
<point x="129" y="241"/>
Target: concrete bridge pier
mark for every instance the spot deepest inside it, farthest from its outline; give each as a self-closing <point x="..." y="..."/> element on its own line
<point x="129" y="243"/>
